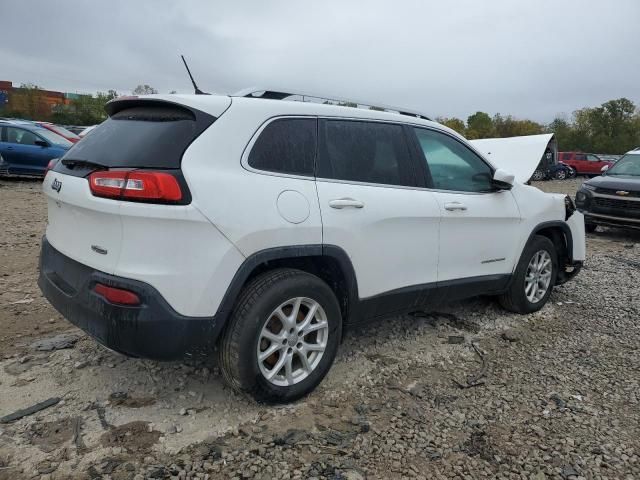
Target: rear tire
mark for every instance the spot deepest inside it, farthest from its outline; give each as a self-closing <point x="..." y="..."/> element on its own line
<point x="292" y="314"/>
<point x="529" y="290"/>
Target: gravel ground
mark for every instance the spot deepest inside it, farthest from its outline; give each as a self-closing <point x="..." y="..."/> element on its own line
<point x="466" y="392"/>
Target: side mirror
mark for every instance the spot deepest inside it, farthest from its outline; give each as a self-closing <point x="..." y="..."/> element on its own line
<point x="604" y="168"/>
<point x="41" y="143"/>
<point x="503" y="180"/>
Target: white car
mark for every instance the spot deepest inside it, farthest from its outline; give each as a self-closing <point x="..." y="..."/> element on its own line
<point x="262" y="227"/>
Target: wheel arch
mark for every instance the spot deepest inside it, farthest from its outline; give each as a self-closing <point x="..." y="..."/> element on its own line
<point x="328" y="262"/>
<point x="560" y="235"/>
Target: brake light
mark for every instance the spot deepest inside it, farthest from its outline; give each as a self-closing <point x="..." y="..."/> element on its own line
<point x="51" y="165"/>
<point x="117" y="295"/>
<point x="135" y="185"/>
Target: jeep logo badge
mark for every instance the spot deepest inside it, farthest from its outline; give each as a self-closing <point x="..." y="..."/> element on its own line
<point x="56" y="185"/>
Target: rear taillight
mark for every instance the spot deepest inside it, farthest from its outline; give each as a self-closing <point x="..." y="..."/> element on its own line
<point x="117" y="295"/>
<point x="51" y="164"/>
<point x="135" y="185"/>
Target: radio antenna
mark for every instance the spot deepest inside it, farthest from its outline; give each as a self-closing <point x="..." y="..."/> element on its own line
<point x="198" y="91"/>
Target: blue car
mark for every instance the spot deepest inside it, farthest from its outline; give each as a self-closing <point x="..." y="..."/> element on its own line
<point x="26" y="149"/>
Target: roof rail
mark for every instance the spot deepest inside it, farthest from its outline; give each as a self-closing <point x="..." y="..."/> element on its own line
<point x="273" y="94"/>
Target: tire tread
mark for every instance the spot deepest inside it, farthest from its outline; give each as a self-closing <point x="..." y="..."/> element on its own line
<point x="513" y="299"/>
<point x="230" y="347"/>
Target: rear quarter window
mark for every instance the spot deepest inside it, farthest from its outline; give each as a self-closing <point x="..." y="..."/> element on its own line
<point x="286" y="145"/>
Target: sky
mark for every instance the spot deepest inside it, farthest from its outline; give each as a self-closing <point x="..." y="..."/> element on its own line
<point x="529" y="58"/>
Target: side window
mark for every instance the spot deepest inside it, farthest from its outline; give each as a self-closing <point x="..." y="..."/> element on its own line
<point x="593" y="158"/>
<point x="566" y="156"/>
<point x="452" y="165"/>
<point x="581" y="157"/>
<point x="361" y="151"/>
<point x="286" y="145"/>
<point x="23" y="137"/>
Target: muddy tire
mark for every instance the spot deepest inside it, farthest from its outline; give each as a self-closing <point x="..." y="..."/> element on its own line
<point x="282" y="336"/>
<point x="534" y="278"/>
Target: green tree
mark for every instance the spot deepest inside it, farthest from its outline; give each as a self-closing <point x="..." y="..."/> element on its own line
<point x="454" y="124"/>
<point x="85" y="109"/>
<point x="563" y="132"/>
<point x="28" y="102"/>
<point x="480" y="125"/>
<point x="512" y="127"/>
<point x="613" y="127"/>
<point x="144" y="90"/>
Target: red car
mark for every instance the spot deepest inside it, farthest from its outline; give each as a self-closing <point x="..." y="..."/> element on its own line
<point x="63" y="132"/>
<point x="584" y="163"/>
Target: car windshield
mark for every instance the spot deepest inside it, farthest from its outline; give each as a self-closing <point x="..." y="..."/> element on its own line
<point x="627" y="165"/>
<point x="54" y="138"/>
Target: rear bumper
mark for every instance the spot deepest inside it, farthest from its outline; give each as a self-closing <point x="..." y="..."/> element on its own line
<point x="152" y="330"/>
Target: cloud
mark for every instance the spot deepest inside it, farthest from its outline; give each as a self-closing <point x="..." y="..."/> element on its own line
<point x="529" y="58"/>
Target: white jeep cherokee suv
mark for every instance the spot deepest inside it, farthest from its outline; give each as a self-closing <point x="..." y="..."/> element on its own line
<point x="263" y="227"/>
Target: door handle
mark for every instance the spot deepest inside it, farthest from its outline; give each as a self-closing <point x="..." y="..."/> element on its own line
<point x="9" y="148"/>
<point x="453" y="206"/>
<point x="345" y="202"/>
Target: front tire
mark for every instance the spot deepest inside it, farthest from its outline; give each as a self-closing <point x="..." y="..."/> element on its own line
<point x="538" y="176"/>
<point x="534" y="277"/>
<point x="282" y="337"/>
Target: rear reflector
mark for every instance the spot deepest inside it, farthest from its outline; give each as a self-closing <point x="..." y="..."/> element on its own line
<point x="117" y="295"/>
<point x="135" y="185"/>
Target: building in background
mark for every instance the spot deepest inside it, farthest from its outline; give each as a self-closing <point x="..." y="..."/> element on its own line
<point x="32" y="102"/>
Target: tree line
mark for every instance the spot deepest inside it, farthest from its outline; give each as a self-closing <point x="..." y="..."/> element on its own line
<point x="613" y="127"/>
<point x="30" y="102"/>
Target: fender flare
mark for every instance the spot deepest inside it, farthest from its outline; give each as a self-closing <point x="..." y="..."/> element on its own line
<point x="566" y="230"/>
<point x="283" y="253"/>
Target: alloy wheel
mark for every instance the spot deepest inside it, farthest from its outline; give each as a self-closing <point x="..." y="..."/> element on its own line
<point x="538" y="277"/>
<point x="538" y="175"/>
<point x="292" y="341"/>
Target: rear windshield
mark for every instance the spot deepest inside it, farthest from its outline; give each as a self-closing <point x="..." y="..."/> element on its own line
<point x="142" y="136"/>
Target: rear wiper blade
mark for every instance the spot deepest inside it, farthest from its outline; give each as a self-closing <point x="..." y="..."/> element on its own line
<point x="71" y="163"/>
